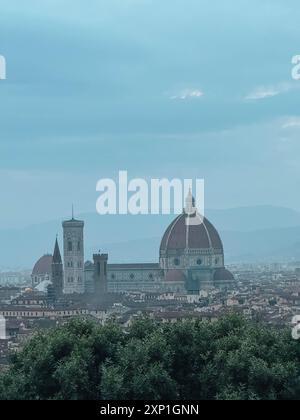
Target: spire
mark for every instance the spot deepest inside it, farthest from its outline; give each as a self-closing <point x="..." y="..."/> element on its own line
<point x="56" y="254"/>
<point x="193" y="217"/>
<point x="190" y="203"/>
<point x="72" y="211"/>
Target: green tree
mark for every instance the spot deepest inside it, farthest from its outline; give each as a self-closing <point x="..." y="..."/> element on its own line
<point x="231" y="359"/>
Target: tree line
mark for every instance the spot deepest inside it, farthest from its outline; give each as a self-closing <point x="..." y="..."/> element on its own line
<point x="230" y="359"/>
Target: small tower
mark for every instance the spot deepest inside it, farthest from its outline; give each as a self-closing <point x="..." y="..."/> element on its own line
<point x="2" y="328"/>
<point x="190" y="206"/>
<point x="192" y="216"/>
<point x="100" y="273"/>
<point x="73" y="256"/>
<point x="57" y="271"/>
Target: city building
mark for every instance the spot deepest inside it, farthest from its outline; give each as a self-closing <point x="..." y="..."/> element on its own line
<point x="73" y="256"/>
<point x="191" y="260"/>
<point x="57" y="272"/>
<point x="42" y="270"/>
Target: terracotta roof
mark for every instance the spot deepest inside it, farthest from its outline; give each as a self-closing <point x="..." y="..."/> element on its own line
<point x="181" y="235"/>
<point x="222" y="274"/>
<point x="43" y="266"/>
<point x="175" y="276"/>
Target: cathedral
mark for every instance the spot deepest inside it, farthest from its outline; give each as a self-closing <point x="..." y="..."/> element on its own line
<point x="191" y="259"/>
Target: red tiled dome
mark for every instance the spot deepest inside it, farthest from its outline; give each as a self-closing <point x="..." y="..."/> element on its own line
<point x="181" y="235"/>
<point x="43" y="266"/>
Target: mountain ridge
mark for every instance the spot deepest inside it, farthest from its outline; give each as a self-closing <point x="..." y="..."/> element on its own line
<point x="258" y="232"/>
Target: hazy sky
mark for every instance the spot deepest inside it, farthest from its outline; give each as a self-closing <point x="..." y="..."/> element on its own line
<point x="174" y="88"/>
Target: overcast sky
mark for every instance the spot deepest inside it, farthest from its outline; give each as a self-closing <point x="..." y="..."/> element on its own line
<point x="175" y="88"/>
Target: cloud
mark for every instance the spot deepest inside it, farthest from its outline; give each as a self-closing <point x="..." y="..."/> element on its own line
<point x="291" y="122"/>
<point x="188" y="94"/>
<point x="264" y="92"/>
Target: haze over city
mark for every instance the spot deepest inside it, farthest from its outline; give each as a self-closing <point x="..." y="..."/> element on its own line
<point x="150" y="214"/>
<point x="138" y="85"/>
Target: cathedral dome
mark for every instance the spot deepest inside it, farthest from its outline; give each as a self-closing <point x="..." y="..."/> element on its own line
<point x="191" y="231"/>
<point x="43" y="266"/>
<point x="181" y="235"/>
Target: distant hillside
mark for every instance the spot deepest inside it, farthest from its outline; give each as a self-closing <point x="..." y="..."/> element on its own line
<point x="257" y="233"/>
<point x="247" y="219"/>
<point x="262" y="245"/>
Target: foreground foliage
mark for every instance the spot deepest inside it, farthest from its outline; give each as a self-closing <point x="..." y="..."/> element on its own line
<point x="231" y="359"/>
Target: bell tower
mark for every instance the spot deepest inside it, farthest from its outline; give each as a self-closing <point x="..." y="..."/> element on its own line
<point x="100" y="273"/>
<point x="73" y="256"/>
